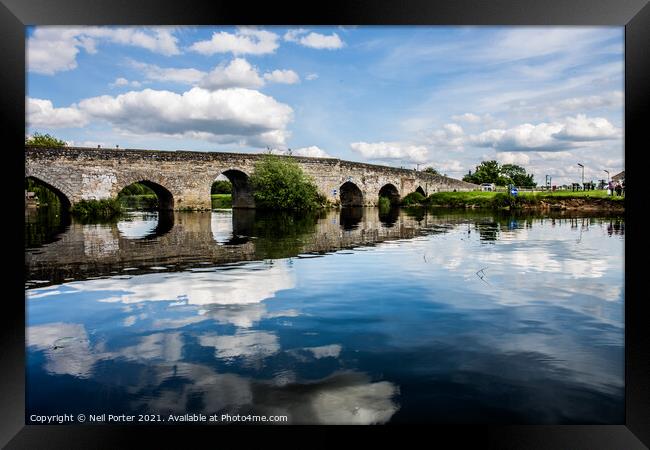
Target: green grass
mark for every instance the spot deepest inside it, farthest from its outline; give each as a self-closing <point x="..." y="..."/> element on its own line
<point x="221" y="200"/>
<point x="479" y="199"/>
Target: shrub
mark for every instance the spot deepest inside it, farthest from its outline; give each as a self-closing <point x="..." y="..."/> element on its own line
<point x="97" y="209"/>
<point x="221" y="187"/>
<point x="279" y="183"/>
<point x="414" y="198"/>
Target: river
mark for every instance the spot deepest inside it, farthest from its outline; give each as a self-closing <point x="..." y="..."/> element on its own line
<point x="347" y="316"/>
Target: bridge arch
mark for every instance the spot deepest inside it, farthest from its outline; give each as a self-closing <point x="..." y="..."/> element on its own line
<point x="242" y="190"/>
<point x="421" y="191"/>
<point x="63" y="198"/>
<point x="390" y="191"/>
<point x="351" y="195"/>
<point x="165" y="197"/>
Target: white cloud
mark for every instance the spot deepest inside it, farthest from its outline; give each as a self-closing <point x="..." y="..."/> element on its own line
<point x="467" y="117"/>
<point x="312" y="152"/>
<point x="236" y="73"/>
<point x="165" y="74"/>
<point x="41" y="113"/>
<point x="229" y="115"/>
<point x="239" y="73"/>
<point x="583" y="128"/>
<point x="121" y="81"/>
<point x="391" y="150"/>
<point x="548" y="136"/>
<point x="311" y="76"/>
<point x="245" y="40"/>
<point x="518" y="158"/>
<point x="314" y="40"/>
<point x="282" y="76"/>
<point x="52" y="49"/>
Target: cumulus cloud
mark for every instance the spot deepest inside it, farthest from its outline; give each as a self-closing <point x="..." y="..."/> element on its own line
<point x="282" y="76"/>
<point x="583" y="128"/>
<point x="311" y="76"/>
<point x="52" y="49"/>
<point x="233" y="115"/>
<point x="227" y="115"/>
<point x="314" y="40"/>
<point x="518" y="158"/>
<point x="553" y="136"/>
<point x="238" y="73"/>
<point x="312" y="152"/>
<point x="391" y="151"/>
<point x="245" y="40"/>
<point x="41" y="113"/>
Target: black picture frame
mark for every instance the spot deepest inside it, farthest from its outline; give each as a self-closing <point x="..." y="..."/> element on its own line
<point x="634" y="15"/>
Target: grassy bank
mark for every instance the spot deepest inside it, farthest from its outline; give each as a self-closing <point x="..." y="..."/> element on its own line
<point x="221" y="201"/>
<point x="535" y="200"/>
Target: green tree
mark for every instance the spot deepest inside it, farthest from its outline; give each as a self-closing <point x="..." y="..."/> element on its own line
<point x="44" y="140"/>
<point x="221" y="187"/>
<point x="487" y="172"/>
<point x="492" y="172"/>
<point x="517" y="175"/>
<point x="279" y="183"/>
<point x="431" y="170"/>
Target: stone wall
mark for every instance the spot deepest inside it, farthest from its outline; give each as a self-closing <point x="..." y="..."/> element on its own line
<point x="88" y="173"/>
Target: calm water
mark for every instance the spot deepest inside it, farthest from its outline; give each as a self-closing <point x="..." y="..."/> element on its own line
<point x="351" y="316"/>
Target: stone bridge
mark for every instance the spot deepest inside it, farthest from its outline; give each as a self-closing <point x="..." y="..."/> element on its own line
<point x="182" y="179"/>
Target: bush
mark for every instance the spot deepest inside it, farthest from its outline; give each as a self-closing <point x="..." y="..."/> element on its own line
<point x="136" y="189"/>
<point x="279" y="183"/>
<point x="414" y="198"/>
<point x="97" y="209"/>
<point x="221" y="187"/>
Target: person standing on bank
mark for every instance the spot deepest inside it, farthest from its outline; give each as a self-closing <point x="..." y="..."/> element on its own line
<point x="618" y="189"/>
<point x="610" y="188"/>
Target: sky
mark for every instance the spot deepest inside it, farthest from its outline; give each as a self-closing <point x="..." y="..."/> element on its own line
<point x="546" y="98"/>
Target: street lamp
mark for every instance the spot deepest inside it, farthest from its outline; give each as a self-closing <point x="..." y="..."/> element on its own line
<point x="607" y="172"/>
<point x="583" y="175"/>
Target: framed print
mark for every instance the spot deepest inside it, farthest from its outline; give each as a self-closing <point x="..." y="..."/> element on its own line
<point x="362" y="214"/>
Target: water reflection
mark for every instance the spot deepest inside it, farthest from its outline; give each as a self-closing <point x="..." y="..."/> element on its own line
<point x="435" y="316"/>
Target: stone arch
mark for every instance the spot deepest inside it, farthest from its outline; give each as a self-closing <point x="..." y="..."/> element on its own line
<point x="165" y="197"/>
<point x="421" y="191"/>
<point x="242" y="190"/>
<point x="351" y="195"/>
<point x="63" y="198"/>
<point x="390" y="191"/>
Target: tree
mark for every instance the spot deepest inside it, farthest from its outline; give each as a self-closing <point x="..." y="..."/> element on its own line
<point x="44" y="140"/>
<point x="492" y="172"/>
<point x="517" y="175"/>
<point x="431" y="170"/>
<point x="221" y="187"/>
<point x="279" y="183"/>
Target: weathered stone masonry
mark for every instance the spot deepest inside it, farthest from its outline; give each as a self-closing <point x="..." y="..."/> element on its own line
<point x="182" y="179"/>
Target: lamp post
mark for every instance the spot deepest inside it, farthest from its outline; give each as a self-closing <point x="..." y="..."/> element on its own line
<point x="607" y="172"/>
<point x="583" y="175"/>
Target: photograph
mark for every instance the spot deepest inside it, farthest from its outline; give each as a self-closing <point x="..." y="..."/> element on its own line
<point x="324" y="224"/>
<point x="349" y="218"/>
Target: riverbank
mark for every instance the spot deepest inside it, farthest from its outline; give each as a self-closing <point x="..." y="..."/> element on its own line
<point x="562" y="200"/>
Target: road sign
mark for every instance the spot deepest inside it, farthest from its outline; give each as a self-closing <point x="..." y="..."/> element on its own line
<point x="514" y="191"/>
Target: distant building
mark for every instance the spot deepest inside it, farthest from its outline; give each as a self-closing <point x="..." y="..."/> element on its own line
<point x="488" y="187"/>
<point x="619" y="177"/>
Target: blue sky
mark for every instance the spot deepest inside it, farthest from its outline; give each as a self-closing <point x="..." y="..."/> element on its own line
<point x="448" y="97"/>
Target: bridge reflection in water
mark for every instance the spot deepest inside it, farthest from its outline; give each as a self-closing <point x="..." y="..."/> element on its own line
<point x="146" y="242"/>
